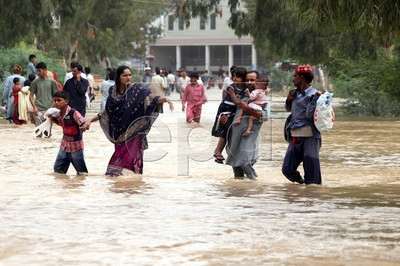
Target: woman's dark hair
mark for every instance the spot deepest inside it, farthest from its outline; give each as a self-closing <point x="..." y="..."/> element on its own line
<point x="15" y="80"/>
<point x="61" y="94"/>
<point x="240" y="72"/>
<point x="120" y="70"/>
<point x="87" y="70"/>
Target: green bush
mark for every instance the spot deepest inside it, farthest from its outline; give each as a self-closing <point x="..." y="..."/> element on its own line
<point x="371" y="86"/>
<point x="19" y="55"/>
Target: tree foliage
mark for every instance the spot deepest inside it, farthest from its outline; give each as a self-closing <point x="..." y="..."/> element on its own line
<point x="356" y="40"/>
<point x="89" y="30"/>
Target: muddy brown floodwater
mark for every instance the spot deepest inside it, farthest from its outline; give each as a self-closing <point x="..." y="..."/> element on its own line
<point x="186" y="211"/>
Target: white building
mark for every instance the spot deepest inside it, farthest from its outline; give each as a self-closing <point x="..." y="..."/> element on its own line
<point x="205" y="45"/>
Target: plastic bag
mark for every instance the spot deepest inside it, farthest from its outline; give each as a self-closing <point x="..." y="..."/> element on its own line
<point x="324" y="114"/>
<point x="44" y="129"/>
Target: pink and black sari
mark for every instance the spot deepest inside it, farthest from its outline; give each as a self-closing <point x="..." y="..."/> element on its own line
<point x="126" y="121"/>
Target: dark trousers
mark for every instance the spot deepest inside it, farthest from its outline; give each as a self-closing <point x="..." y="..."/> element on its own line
<point x="306" y="151"/>
<point x="64" y="159"/>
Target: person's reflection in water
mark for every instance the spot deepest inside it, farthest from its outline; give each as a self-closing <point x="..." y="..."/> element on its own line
<point x="68" y="182"/>
<point x="308" y="195"/>
<point x="128" y="185"/>
<point x="233" y="188"/>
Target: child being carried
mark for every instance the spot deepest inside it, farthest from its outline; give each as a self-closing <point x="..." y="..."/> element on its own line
<point x="257" y="101"/>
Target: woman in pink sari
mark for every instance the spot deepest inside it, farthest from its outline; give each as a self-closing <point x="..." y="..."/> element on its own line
<point x="128" y="116"/>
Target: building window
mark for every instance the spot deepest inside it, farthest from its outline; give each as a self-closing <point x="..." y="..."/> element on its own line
<point x="203" y="23"/>
<point x="213" y="21"/>
<point x="219" y="56"/>
<point x="193" y="57"/>
<point x="171" y="20"/>
<point x="181" y="23"/>
<point x="242" y="55"/>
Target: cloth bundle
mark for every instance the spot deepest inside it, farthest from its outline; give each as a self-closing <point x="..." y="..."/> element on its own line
<point x="24" y="104"/>
<point x="324" y="114"/>
<point x="44" y="129"/>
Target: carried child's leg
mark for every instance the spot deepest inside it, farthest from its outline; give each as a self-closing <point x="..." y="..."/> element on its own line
<point x="238" y="118"/>
<point x="249" y="128"/>
<point x="218" y="150"/>
<point x="78" y="161"/>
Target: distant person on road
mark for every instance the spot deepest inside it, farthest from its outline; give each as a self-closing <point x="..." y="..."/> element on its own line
<point x="171" y="81"/>
<point x="105" y="88"/>
<point x="7" y="90"/>
<point x="147" y="75"/>
<point x="15" y="90"/>
<point x="181" y="84"/>
<point x="158" y="84"/>
<point x="90" y="95"/>
<point x="194" y="97"/>
<point x="31" y="68"/>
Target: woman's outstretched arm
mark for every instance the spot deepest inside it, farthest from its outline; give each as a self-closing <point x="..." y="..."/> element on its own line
<point x="87" y="123"/>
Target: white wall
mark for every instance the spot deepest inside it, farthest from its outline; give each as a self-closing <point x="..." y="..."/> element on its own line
<point x="223" y="34"/>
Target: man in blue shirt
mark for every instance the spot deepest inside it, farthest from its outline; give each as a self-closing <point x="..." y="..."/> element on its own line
<point x="304" y="139"/>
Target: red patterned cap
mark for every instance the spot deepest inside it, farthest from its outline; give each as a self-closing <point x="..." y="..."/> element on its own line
<point x="302" y="69"/>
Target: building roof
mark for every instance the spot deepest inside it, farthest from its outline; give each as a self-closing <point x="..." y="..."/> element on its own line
<point x="194" y="41"/>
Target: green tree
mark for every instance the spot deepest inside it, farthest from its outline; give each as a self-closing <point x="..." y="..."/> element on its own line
<point x="88" y="30"/>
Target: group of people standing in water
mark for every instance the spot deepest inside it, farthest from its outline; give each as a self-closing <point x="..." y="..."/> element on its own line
<point x="130" y="110"/>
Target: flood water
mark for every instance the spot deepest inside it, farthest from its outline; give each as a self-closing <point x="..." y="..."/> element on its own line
<point x="186" y="211"/>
